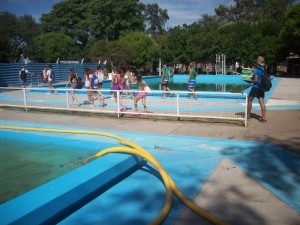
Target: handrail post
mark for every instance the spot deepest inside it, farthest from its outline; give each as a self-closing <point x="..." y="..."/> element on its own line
<point x="118" y="103"/>
<point x="25" y="98"/>
<point x="246" y="110"/>
<point x="177" y="104"/>
<point x="67" y="97"/>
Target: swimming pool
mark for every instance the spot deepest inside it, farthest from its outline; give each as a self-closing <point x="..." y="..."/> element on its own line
<point x="189" y="161"/>
<point x="215" y="105"/>
<point x="39" y="157"/>
<point x="214" y="83"/>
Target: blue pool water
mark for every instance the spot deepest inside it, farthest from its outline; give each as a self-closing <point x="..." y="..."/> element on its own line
<point x="215" y="83"/>
<point x="206" y="83"/>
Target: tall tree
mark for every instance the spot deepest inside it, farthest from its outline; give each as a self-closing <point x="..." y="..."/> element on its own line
<point x="51" y="46"/>
<point x="89" y="20"/>
<point x="8" y="28"/>
<point x="173" y="50"/>
<point x="16" y="33"/>
<point x="118" y="52"/>
<point x="251" y="11"/>
<point x="133" y="48"/>
<point x="290" y="34"/>
<point x="156" y="18"/>
<point x="145" y="48"/>
<point x="200" y="38"/>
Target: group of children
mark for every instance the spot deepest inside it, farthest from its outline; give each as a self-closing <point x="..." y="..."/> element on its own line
<point x="120" y="81"/>
<point x="47" y="77"/>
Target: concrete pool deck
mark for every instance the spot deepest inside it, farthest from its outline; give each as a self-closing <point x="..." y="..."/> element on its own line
<point x="229" y="188"/>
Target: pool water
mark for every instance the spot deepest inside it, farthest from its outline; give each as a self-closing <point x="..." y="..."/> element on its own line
<point x="33" y="159"/>
<point x="30" y="166"/>
<point x="214" y="83"/>
<point x="233" y="88"/>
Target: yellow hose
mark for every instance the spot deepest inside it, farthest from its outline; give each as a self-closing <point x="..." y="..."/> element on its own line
<point x="166" y="209"/>
<point x="190" y="204"/>
<point x="138" y="150"/>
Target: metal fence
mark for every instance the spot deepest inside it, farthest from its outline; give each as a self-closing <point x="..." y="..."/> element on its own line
<point x="206" y="104"/>
<point x="9" y="72"/>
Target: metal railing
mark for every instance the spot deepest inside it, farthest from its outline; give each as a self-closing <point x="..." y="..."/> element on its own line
<point x="214" y="105"/>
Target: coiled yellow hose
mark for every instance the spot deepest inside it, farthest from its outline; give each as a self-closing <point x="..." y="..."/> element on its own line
<point x="137" y="150"/>
<point x="166" y="209"/>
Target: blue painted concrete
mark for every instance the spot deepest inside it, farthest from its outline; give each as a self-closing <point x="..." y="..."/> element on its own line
<point x="155" y="95"/>
<point x="55" y="200"/>
<point x="189" y="161"/>
<point x="210" y="79"/>
<point x="203" y="96"/>
<point x="268" y="94"/>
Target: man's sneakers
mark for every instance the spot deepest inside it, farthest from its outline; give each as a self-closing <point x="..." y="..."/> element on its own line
<point x="263" y="120"/>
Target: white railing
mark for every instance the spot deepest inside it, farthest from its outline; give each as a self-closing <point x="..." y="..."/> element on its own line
<point x="217" y="105"/>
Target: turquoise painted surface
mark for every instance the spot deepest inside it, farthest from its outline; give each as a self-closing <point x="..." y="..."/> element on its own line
<point x="189" y="161"/>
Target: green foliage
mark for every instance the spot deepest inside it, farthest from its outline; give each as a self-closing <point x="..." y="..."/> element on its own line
<point x="8" y="27"/>
<point x="201" y="37"/>
<point x="156" y="18"/>
<point x="119" y="52"/>
<point x="133" y="48"/>
<point x="249" y="11"/>
<point x="173" y="49"/>
<point x="90" y="20"/>
<point x="144" y="48"/>
<point x="290" y="34"/>
<point x="244" y="42"/>
<point x="112" y="30"/>
<point x="16" y="33"/>
<point x="51" y="46"/>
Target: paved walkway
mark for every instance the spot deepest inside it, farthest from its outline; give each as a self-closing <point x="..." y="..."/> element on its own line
<point x="229" y="192"/>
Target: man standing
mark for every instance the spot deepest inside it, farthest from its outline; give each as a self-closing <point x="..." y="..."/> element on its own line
<point x="50" y="75"/>
<point x="192" y="80"/>
<point x="256" y="92"/>
<point x="165" y="78"/>
<point x="23" y="76"/>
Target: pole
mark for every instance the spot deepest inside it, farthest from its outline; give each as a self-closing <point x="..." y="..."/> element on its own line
<point x="159" y="70"/>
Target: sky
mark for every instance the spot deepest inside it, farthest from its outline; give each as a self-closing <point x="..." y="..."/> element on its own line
<point x="180" y="11"/>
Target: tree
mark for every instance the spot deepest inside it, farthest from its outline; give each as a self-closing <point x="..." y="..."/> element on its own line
<point x="133" y="48"/>
<point x="90" y="20"/>
<point x="51" y="46"/>
<point x="290" y="34"/>
<point x="144" y="47"/>
<point x="8" y="27"/>
<point x="155" y="18"/>
<point x="16" y="33"/>
<point x="119" y="52"/>
<point x="250" y="11"/>
<point x="200" y="39"/>
<point x="173" y="49"/>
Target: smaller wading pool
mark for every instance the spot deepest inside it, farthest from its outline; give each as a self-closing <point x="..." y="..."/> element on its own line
<point x="118" y="184"/>
<point x="34" y="158"/>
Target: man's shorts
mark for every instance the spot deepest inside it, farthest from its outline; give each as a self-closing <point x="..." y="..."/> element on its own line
<point x="256" y="93"/>
<point x="165" y="82"/>
<point x="23" y="81"/>
<point x="192" y="84"/>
